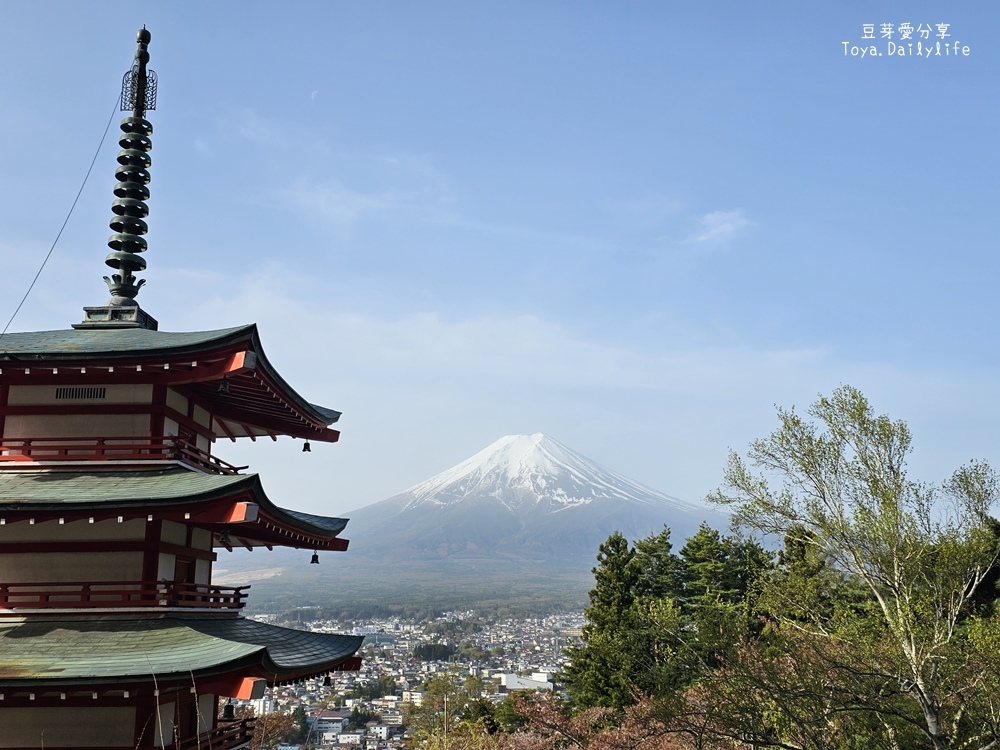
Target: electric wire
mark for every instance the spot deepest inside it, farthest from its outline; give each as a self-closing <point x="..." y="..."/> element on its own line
<point x="66" y="220"/>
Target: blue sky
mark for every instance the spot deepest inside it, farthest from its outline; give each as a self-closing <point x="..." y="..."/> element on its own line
<point x="633" y="226"/>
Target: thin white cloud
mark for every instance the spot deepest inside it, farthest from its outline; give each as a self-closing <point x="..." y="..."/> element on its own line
<point x="356" y="187"/>
<point x="516" y="348"/>
<point x="337" y="204"/>
<point x="262" y="130"/>
<point x="420" y="390"/>
<point x="719" y="227"/>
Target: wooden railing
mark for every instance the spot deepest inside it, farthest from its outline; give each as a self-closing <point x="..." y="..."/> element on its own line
<point x="228" y="735"/>
<point x="120" y="594"/>
<point x="62" y="450"/>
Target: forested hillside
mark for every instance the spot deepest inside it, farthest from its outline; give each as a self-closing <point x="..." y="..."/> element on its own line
<point x="873" y="626"/>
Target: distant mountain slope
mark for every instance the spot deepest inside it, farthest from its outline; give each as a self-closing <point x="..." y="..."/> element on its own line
<point x="524" y="513"/>
<point x="526" y="498"/>
<point x="522" y="471"/>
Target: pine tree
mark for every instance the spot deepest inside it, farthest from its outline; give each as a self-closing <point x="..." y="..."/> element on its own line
<point x="659" y="572"/>
<point x="597" y="674"/>
<point x="615" y="579"/>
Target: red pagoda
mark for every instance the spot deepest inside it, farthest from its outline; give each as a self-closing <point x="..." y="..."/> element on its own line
<point x="113" y="504"/>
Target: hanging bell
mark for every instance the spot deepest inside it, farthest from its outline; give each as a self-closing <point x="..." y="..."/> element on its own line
<point x="306" y="448"/>
<point x="315" y="559"/>
<point x="229" y="711"/>
<point x="224" y="386"/>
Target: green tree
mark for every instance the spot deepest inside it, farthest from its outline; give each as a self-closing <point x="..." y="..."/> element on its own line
<point x="505" y="714"/>
<point x="360" y="716"/>
<point x="718" y="598"/>
<point x="383" y="686"/>
<point x="301" y="721"/>
<point x="433" y="652"/>
<point x="440" y="710"/>
<point x="615" y="579"/>
<point x="473" y="687"/>
<point x="899" y="657"/>
<point x="655" y="619"/>
<point x="659" y="572"/>
<point x="716" y="568"/>
<point x="597" y="674"/>
<point x="469" y="651"/>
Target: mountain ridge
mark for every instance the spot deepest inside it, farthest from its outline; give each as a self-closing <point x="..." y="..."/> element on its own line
<point x="523" y="517"/>
<point x="523" y="497"/>
<point x="533" y="468"/>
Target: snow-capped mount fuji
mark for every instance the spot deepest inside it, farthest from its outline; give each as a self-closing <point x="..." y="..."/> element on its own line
<point x="520" y="522"/>
<point x="524" y="499"/>
<point x="528" y="471"/>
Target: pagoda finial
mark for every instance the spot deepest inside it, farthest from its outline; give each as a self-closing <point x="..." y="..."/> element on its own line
<point x="129" y="207"/>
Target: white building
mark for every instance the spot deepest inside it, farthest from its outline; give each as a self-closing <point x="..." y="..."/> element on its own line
<point x="537" y="681"/>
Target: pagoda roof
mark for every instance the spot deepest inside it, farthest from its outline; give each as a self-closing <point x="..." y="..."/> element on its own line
<point x="76" y="343"/>
<point x="255" y="400"/>
<point x="100" y="650"/>
<point x="235" y="503"/>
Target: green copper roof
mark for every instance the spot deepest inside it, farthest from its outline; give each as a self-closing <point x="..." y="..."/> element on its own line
<point x="327" y="523"/>
<point x="22" y="490"/>
<point x="73" y="343"/>
<point x="134" y="344"/>
<point x="98" y="649"/>
<point x="109" y="487"/>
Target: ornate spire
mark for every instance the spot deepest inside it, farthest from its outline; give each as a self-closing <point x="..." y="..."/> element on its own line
<point x="138" y="94"/>
<point x="131" y="193"/>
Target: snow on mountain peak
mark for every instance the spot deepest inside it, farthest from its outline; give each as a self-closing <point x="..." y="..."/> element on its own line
<point x="522" y="470"/>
